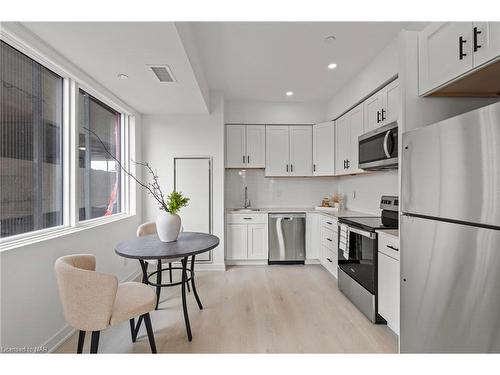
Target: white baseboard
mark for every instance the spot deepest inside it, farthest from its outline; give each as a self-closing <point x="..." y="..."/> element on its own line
<point x="312" y="261"/>
<point x="246" y="262"/>
<point x="67" y="331"/>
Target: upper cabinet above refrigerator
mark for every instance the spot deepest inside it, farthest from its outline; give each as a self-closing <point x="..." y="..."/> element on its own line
<point x="459" y="59"/>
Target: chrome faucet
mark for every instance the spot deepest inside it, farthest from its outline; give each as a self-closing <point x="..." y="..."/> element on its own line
<point x="248" y="203"/>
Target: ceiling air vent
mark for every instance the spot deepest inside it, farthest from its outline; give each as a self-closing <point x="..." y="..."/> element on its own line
<point x="163" y="73"/>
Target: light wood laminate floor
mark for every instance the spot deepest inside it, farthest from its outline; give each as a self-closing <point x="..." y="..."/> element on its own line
<point x="255" y="309"/>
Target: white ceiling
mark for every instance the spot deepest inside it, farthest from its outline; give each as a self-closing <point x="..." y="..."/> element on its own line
<point x="263" y="60"/>
<point x="105" y="49"/>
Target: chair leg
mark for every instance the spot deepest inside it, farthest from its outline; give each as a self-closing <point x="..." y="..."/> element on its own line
<point x="170" y="271"/>
<point x="149" y="329"/>
<point x="132" y="329"/>
<point x="94" y="343"/>
<point x="81" y="341"/>
<point x="158" y="281"/>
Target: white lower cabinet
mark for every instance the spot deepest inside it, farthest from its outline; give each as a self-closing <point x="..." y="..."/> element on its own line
<point x="388" y="280"/>
<point x="246" y="237"/>
<point x="329" y="243"/>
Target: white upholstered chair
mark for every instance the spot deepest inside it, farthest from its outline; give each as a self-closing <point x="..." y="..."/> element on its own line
<point x="146" y="229"/>
<point x="92" y="300"/>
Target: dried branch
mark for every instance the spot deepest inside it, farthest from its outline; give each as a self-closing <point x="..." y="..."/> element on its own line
<point x="153" y="188"/>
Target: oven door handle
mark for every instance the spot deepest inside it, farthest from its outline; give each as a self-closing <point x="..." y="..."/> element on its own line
<point x="363" y="233"/>
<point x="386" y="148"/>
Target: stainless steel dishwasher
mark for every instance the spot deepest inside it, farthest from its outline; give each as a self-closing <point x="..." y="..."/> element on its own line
<point x="287" y="238"/>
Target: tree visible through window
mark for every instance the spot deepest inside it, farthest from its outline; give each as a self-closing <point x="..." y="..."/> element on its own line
<point x="99" y="174"/>
<point x="31" y="184"/>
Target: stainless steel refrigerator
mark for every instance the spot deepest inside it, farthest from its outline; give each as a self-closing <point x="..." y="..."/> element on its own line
<point x="450" y="235"/>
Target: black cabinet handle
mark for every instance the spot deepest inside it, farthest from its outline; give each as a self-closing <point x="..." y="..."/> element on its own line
<point x="314" y="167"/>
<point x="383" y="114"/>
<point x="328" y="259"/>
<point x="248" y="159"/>
<point x="247" y="218"/>
<point x="329" y="223"/>
<point x="291" y="167"/>
<point x="329" y="239"/>
<point x="378" y="117"/>
<point x="476" y="33"/>
<point x="392" y="247"/>
<point x="243" y="159"/>
<point x="461" y="42"/>
<point x="347" y="161"/>
<point x="287" y="167"/>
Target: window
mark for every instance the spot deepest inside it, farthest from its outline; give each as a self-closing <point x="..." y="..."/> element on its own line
<point x="99" y="144"/>
<point x="31" y="112"/>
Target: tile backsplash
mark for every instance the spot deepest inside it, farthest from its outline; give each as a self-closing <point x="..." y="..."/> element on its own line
<point x="276" y="192"/>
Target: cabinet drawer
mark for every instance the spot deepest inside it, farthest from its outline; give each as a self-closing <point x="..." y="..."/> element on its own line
<point x="328" y="238"/>
<point x="329" y="222"/>
<point x="246" y="219"/>
<point x="388" y="245"/>
<point x="330" y="262"/>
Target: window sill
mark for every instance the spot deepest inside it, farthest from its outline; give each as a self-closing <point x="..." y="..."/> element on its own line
<point x="11" y="244"/>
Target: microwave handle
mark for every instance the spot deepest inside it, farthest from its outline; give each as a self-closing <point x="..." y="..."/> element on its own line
<point x="386" y="149"/>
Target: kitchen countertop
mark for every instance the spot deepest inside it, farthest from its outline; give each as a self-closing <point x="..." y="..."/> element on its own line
<point x="390" y="232"/>
<point x="341" y="213"/>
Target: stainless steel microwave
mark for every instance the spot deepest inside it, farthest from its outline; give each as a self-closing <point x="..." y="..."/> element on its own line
<point x="378" y="149"/>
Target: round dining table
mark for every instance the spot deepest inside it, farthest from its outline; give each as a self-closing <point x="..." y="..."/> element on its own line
<point x="150" y="248"/>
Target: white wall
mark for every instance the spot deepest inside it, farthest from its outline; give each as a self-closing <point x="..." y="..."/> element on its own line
<point x="381" y="69"/>
<point x="276" y="192"/>
<point x="167" y="136"/>
<point x="254" y="112"/>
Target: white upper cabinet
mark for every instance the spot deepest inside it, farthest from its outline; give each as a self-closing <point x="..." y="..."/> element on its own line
<point x="277" y="151"/>
<point x="256" y="146"/>
<point x="324" y="149"/>
<point x="448" y="50"/>
<point x="445" y="52"/>
<point x="288" y="150"/>
<point x="382" y="107"/>
<point x="373" y="111"/>
<point x="300" y="150"/>
<point x="342" y="144"/>
<point x="485" y="41"/>
<point x="245" y="146"/>
<point x="235" y="146"/>
<point x="347" y="130"/>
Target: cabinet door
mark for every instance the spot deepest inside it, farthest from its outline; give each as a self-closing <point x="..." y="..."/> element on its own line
<point x="235" y="146"/>
<point x="313" y="236"/>
<point x="236" y="241"/>
<point x="277" y="151"/>
<point x="301" y="151"/>
<point x="256" y="146"/>
<point x="486" y="45"/>
<point x="341" y="144"/>
<point x="324" y="149"/>
<point x="373" y="110"/>
<point x="392" y="102"/>
<point x="388" y="290"/>
<point x="257" y="241"/>
<point x="356" y="128"/>
<point x="440" y="58"/>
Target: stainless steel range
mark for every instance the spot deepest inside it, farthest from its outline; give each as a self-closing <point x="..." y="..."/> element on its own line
<point x="357" y="264"/>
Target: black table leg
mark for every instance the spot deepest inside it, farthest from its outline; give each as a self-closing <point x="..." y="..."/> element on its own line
<point x="158" y="282"/>
<point x="184" y="304"/>
<point x="81" y="341"/>
<point x="135" y="330"/>
<point x="194" y="286"/>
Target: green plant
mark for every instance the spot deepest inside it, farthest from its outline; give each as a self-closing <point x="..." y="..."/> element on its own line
<point x="175" y="201"/>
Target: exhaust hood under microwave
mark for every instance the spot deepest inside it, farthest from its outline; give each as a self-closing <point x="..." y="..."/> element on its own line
<point x="378" y="149"/>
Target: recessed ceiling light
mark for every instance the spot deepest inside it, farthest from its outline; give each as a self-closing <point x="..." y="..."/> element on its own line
<point x="289" y="93"/>
<point x="332" y="66"/>
<point x="122" y="76"/>
<point x="330" y="39"/>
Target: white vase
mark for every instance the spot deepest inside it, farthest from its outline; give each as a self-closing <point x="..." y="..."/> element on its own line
<point x="168" y="226"/>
